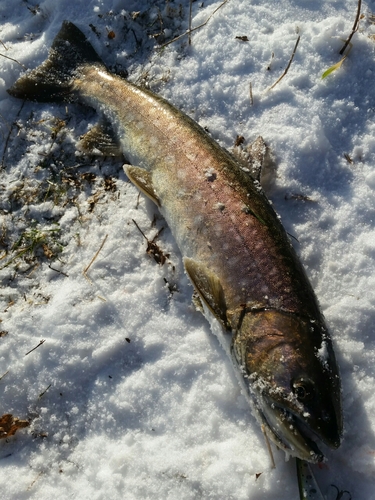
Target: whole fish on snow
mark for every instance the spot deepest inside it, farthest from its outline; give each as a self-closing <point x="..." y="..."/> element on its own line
<point x="235" y="251"/>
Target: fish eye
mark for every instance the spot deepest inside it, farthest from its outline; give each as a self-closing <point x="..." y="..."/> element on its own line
<point x="303" y="389"/>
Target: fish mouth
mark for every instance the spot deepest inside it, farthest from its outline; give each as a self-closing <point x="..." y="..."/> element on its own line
<point x="289" y="432"/>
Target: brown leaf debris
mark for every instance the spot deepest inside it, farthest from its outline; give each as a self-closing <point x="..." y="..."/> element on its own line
<point x="9" y="425"/>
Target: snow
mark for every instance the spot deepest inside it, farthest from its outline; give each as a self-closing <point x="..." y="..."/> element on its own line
<point x="131" y="396"/>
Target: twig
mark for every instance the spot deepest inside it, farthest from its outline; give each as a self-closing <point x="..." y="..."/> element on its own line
<point x="43" y="393"/>
<point x="95" y="256"/>
<point x="189" y="31"/>
<point x="251" y="95"/>
<point x="3" y="375"/>
<point x="190" y="14"/>
<point x="140" y="230"/>
<point x="14" y="60"/>
<point x="288" y="66"/>
<point x="3" y="44"/>
<point x="152" y="248"/>
<point x="57" y="270"/>
<point x="354" y="29"/>
<point x="35" y="480"/>
<point x="36" y="347"/>
<point x="138" y="197"/>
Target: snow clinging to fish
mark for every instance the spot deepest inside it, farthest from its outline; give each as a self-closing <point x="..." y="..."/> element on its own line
<point x="250" y="283"/>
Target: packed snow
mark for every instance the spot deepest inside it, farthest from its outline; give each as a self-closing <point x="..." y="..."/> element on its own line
<point x="128" y="393"/>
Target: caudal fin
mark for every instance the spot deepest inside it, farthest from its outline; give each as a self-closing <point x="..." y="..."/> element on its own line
<point x="52" y="80"/>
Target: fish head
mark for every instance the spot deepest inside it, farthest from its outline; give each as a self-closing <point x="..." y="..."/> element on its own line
<point x="292" y="376"/>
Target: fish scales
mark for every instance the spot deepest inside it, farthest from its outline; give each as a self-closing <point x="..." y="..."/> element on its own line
<point x="193" y="177"/>
<point x="237" y="254"/>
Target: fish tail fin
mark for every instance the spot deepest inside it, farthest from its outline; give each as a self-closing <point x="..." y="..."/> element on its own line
<point x="52" y="80"/>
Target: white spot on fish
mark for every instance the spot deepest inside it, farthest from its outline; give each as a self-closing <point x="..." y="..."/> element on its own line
<point x="190" y="144"/>
<point x="191" y="157"/>
<point x="170" y="158"/>
<point x="322" y="353"/>
<point x="198" y="220"/>
<point x="181" y="174"/>
<point x="105" y="75"/>
<point x="219" y="206"/>
<point x="210" y="174"/>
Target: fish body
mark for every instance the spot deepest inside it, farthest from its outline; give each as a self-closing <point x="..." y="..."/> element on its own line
<point x="234" y="247"/>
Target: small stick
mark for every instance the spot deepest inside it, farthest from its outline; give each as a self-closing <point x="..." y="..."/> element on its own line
<point x="251" y="95"/>
<point x="354" y="29"/>
<point x="140" y="230"/>
<point x="35" y="480"/>
<point x="95" y="256"/>
<point x="3" y="375"/>
<point x="188" y="31"/>
<point x="58" y="271"/>
<point x="190" y="14"/>
<point x="138" y="197"/>
<point x="14" y="60"/>
<point x="43" y="393"/>
<point x="3" y="44"/>
<point x="36" y="347"/>
<point x="288" y="66"/>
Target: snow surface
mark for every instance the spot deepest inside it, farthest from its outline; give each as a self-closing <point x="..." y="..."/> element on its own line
<point x="131" y="396"/>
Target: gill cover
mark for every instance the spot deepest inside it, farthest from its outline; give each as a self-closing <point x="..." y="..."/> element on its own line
<point x="291" y="374"/>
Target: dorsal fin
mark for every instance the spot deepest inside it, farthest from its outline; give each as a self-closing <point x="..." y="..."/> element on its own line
<point x="253" y="158"/>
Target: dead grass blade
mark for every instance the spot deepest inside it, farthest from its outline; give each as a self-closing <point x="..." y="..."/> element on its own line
<point x="190" y="30"/>
<point x="14" y="60"/>
<point x="288" y="66"/>
<point x="354" y="29"/>
<point x="95" y="256"/>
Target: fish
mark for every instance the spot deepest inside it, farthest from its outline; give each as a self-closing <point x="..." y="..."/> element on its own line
<point x="251" y="285"/>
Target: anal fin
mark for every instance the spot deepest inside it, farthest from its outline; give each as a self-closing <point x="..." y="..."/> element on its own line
<point x="142" y="179"/>
<point x="209" y="288"/>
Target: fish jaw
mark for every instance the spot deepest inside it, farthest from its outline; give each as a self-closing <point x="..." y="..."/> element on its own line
<point x="297" y="397"/>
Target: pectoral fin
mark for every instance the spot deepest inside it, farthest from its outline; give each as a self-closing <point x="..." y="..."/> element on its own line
<point x="209" y="289"/>
<point x="100" y="140"/>
<point x="142" y="179"/>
